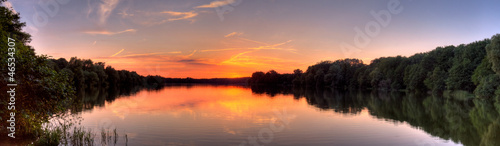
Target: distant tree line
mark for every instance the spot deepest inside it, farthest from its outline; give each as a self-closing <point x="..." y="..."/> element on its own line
<point x="473" y="67"/>
<point x="232" y="81"/>
<point x="87" y="75"/>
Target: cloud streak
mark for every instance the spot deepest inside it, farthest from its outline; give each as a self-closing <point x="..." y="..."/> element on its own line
<point x="264" y="47"/>
<point x="218" y="3"/>
<point x="105" y="32"/>
<point x="147" y="18"/>
<point x="234" y="34"/>
<point x="117" y="53"/>
<point x="180" y="15"/>
<point x="243" y="59"/>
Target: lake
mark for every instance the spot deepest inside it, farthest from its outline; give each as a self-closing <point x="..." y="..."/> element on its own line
<point x="237" y="115"/>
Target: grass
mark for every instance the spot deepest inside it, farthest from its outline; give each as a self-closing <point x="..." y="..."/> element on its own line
<point x="61" y="134"/>
<point x="111" y="137"/>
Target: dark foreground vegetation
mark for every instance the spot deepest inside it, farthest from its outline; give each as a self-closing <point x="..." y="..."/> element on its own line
<point x="473" y="67"/>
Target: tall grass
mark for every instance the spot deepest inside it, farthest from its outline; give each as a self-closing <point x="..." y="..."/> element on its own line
<point x="60" y="133"/>
<point x="110" y="137"/>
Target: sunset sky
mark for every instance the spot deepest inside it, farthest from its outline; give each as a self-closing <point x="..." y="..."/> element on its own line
<point x="233" y="38"/>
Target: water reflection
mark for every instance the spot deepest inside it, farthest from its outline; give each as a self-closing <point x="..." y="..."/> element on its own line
<point x="228" y="115"/>
<point x="471" y="123"/>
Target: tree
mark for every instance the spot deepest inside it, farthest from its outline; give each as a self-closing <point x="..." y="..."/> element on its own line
<point x="483" y="70"/>
<point x="49" y="91"/>
<point x="414" y="77"/>
<point x="319" y="78"/>
<point x="436" y="80"/>
<point x="297" y="72"/>
<point x="257" y="77"/>
<point x="486" y="89"/>
<point x="493" y="51"/>
<point x="467" y="59"/>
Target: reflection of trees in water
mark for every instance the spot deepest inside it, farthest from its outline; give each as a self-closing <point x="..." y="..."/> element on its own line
<point x="271" y="91"/>
<point x="97" y="97"/>
<point x="471" y="123"/>
<point x="87" y="100"/>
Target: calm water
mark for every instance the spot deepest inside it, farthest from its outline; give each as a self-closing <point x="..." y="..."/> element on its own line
<point x="232" y="115"/>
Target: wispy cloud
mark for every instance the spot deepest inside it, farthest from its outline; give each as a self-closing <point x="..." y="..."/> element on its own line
<point x="149" y="54"/>
<point x="216" y="50"/>
<point x="192" y="53"/>
<point x="234" y="34"/>
<point x="148" y="18"/>
<point x="105" y="32"/>
<point x="102" y="9"/>
<point x="243" y="59"/>
<point x="180" y="15"/>
<point x="264" y="46"/>
<point x="217" y="3"/>
<point x="235" y="57"/>
<point x="175" y="58"/>
<point x="124" y="14"/>
<point x="117" y="53"/>
<point x="253" y="41"/>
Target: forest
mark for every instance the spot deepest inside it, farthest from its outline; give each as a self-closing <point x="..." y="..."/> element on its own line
<point x="49" y="87"/>
<point x="473" y="67"/>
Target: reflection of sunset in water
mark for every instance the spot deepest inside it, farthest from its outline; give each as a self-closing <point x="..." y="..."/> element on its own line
<point x="228" y="115"/>
<point x="231" y="103"/>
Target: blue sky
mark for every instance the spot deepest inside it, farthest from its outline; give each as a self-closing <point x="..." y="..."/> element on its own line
<point x="232" y="38"/>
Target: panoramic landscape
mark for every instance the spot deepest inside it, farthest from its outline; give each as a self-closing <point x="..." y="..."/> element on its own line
<point x="240" y="72"/>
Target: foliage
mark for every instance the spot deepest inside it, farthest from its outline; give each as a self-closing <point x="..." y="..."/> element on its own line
<point x="42" y="91"/>
<point x="493" y="50"/>
<point x="47" y="87"/>
<point x="436" y="80"/>
<point x="467" y="59"/>
<point x="455" y="68"/>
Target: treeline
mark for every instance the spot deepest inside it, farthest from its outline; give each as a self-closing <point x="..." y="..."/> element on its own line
<point x="87" y="75"/>
<point x="474" y="67"/>
<point x="225" y="81"/>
